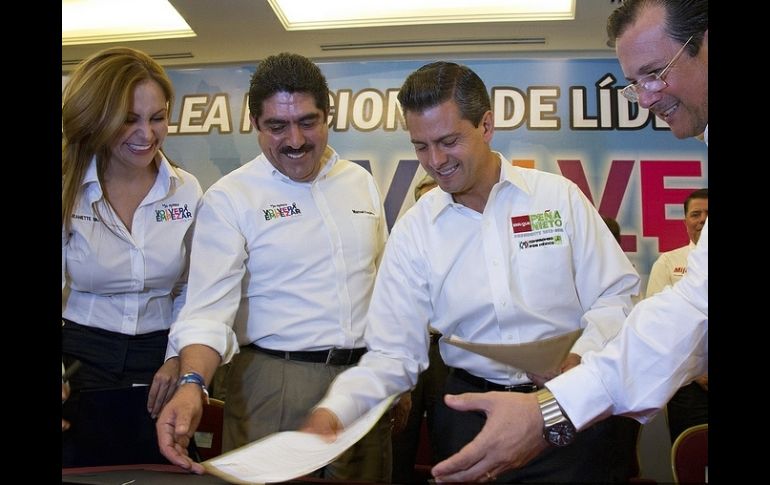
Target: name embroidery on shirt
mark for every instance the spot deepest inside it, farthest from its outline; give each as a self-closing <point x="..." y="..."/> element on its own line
<point x="81" y="217"/>
<point x="362" y="212"/>
<point x="535" y="222"/>
<point x="172" y="212"/>
<point x="281" y="210"/>
<point x="680" y="270"/>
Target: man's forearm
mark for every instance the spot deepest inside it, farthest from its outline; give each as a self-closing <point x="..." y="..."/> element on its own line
<point x="201" y="359"/>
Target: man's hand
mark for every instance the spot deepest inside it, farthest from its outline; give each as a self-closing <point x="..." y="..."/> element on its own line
<point x="176" y="425"/>
<point x="323" y="422"/>
<point x="511" y="437"/>
<point x="65" y="393"/>
<point x="163" y="386"/>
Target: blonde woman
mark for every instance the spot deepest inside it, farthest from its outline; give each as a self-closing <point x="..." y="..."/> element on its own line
<point x="127" y="220"/>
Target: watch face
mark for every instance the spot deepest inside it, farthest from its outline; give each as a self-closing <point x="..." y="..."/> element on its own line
<point x="561" y="434"/>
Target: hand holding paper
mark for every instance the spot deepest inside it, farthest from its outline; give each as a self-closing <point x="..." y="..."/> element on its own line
<point x="290" y="454"/>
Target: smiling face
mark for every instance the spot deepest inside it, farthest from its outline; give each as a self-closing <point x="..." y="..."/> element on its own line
<point x="454" y="152"/>
<point x="645" y="48"/>
<point x="144" y="129"/>
<point x="293" y="134"/>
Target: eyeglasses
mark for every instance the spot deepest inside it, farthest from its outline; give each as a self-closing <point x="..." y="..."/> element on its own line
<point x="653" y="82"/>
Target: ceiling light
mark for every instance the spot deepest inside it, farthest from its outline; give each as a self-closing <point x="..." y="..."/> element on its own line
<point x="329" y="14"/>
<point x="99" y="21"/>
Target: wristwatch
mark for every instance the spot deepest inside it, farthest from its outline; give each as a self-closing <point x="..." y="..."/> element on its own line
<point x="558" y="430"/>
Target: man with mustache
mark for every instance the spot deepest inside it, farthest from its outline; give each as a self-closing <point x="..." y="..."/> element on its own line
<point x="284" y="257"/>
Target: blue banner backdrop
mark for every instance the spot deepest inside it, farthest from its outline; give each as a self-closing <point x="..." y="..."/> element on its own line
<point x="558" y="115"/>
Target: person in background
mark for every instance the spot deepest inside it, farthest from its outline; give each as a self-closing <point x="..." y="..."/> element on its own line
<point x="127" y="222"/>
<point x="423" y="397"/>
<point x="500" y="254"/>
<point x="283" y="264"/>
<point x="690" y="405"/>
<point x="613" y="226"/>
<point x="662" y="46"/>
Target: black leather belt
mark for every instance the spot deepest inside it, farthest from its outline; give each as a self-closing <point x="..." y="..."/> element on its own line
<point x="329" y="357"/>
<point x="485" y="385"/>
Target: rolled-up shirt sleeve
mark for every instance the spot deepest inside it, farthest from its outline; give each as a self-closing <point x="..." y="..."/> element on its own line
<point x="662" y="346"/>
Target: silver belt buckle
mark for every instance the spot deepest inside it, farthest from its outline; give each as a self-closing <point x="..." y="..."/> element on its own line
<point x="329" y="355"/>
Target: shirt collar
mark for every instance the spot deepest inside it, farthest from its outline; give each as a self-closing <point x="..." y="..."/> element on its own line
<point x="166" y="172"/>
<point x="509" y="174"/>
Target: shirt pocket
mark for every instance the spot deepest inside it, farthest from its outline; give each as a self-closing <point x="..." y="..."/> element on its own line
<point x="365" y="234"/>
<point x="545" y="277"/>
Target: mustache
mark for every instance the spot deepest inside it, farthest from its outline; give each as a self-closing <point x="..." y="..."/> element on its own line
<point x="307" y="147"/>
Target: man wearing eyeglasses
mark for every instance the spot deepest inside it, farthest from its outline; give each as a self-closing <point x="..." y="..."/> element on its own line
<point x="662" y="46"/>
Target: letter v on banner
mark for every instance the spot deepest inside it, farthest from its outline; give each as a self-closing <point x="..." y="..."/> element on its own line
<point x="398" y="188"/>
<point x="614" y="190"/>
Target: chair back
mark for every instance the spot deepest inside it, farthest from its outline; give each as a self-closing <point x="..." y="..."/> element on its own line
<point x="690" y="455"/>
<point x="208" y="436"/>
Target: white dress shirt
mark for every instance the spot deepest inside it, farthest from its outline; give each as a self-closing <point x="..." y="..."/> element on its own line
<point x="131" y="283"/>
<point x="637" y="373"/>
<point x="668" y="269"/>
<point x="283" y="264"/>
<point x="537" y="263"/>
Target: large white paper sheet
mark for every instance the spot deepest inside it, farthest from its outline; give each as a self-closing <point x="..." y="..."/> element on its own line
<point x="290" y="454"/>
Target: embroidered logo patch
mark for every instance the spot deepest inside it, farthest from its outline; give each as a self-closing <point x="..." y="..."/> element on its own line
<point x="535" y="222"/>
<point x="172" y="212"/>
<point x="538" y="230"/>
<point x="281" y="210"/>
<point x="541" y="241"/>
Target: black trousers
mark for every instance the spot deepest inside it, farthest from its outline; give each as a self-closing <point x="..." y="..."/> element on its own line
<point x="605" y="452"/>
<point x="101" y="436"/>
<point x="428" y="390"/>
<point x="688" y="407"/>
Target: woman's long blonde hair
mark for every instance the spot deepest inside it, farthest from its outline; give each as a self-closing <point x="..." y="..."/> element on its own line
<point x="95" y="103"/>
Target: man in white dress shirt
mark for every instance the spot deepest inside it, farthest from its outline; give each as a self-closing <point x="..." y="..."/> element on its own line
<point x="662" y="46"/>
<point x="283" y="264"/>
<point x="690" y="405"/>
<point x="499" y="255"/>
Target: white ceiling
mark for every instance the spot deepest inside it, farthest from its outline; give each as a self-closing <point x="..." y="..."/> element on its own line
<point x="237" y="31"/>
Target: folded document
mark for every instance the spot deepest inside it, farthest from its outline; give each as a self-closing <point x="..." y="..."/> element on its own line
<point x="290" y="454"/>
<point x="538" y="357"/>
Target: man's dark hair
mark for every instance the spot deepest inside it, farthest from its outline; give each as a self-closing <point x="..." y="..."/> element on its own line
<point x="698" y="194"/>
<point x="684" y="18"/>
<point x="437" y="82"/>
<point x="290" y="73"/>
